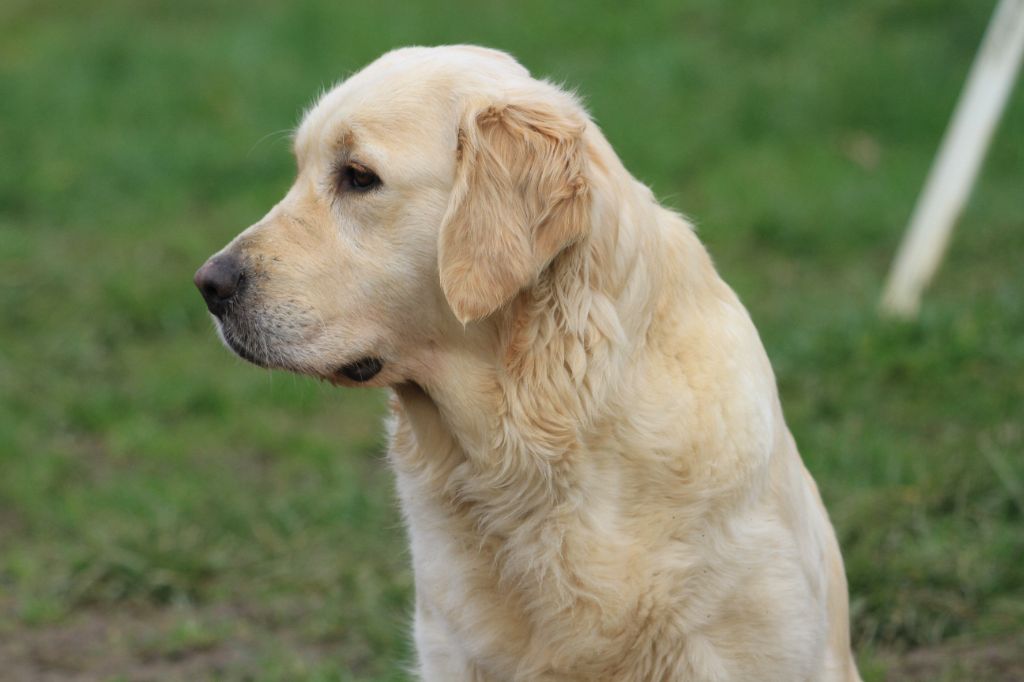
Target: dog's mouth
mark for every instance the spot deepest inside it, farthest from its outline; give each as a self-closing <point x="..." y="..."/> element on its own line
<point x="249" y="345"/>
<point x="362" y="370"/>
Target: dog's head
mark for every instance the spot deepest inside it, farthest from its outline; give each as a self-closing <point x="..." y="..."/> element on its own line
<point x="432" y="187"/>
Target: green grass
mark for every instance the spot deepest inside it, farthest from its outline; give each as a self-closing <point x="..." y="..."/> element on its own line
<point x="167" y="509"/>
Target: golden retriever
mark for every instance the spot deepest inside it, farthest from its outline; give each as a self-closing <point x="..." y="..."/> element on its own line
<point x="591" y="457"/>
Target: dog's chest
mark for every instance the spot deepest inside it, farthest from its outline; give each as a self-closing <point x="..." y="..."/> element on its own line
<point x="500" y="604"/>
<point x="561" y="590"/>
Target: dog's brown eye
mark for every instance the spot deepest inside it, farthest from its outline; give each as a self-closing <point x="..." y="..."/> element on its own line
<point x="360" y="178"/>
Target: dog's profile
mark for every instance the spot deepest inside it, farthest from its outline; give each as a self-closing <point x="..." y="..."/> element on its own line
<point x="591" y="457"/>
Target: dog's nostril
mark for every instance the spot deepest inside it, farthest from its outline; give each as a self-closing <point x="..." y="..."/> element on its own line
<point x="218" y="280"/>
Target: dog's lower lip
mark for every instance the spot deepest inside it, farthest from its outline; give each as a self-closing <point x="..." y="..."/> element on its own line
<point x="363" y="369"/>
<point x="240" y="349"/>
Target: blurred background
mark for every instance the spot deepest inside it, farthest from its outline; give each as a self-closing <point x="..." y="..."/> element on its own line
<point x="169" y="512"/>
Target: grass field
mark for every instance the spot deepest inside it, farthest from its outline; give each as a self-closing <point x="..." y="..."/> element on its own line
<point x="168" y="512"/>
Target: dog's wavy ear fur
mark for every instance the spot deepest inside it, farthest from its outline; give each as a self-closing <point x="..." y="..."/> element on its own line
<point x="520" y="198"/>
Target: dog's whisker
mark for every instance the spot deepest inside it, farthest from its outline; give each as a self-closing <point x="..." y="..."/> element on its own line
<point x="276" y="135"/>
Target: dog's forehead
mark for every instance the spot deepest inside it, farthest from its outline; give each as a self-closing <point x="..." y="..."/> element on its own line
<point x="404" y="92"/>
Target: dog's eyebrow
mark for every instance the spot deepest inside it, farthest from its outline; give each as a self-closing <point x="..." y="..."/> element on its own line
<point x="303" y="142"/>
<point x="346" y="140"/>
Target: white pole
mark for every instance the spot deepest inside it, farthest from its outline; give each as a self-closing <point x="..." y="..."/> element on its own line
<point x="956" y="166"/>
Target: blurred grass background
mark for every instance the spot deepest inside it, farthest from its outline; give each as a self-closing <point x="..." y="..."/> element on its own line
<point x="167" y="512"/>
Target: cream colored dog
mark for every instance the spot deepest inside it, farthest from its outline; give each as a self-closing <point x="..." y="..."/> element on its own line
<point x="591" y="457"/>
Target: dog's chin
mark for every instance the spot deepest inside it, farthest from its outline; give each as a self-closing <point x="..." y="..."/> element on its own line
<point x="365" y="370"/>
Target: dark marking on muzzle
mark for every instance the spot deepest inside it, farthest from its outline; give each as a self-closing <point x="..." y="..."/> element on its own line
<point x="363" y="369"/>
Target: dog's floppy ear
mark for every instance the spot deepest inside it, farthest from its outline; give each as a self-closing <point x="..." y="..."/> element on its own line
<point x="520" y="197"/>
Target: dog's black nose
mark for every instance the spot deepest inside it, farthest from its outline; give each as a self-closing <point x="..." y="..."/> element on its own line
<point x="218" y="280"/>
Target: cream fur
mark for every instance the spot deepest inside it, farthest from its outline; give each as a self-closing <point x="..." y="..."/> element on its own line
<point x="591" y="457"/>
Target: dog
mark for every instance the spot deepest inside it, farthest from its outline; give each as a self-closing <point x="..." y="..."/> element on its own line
<point x="590" y="454"/>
